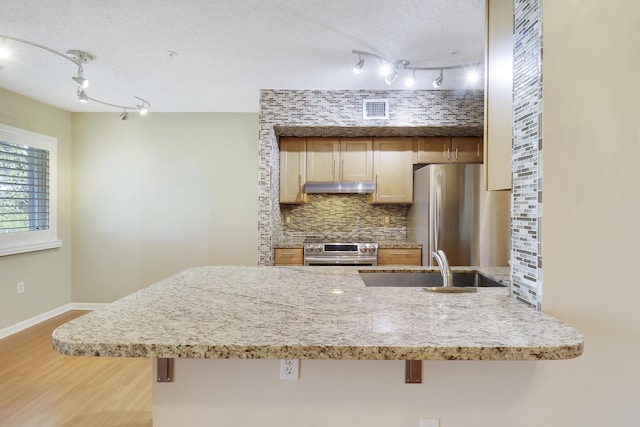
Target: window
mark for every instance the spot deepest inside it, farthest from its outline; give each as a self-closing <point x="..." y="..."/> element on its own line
<point x="28" y="184"/>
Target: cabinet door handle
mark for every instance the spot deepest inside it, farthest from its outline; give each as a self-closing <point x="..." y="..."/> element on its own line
<point x="456" y="153"/>
<point x="448" y="155"/>
<point x="334" y="170"/>
<point x="342" y="169"/>
<point x="478" y="148"/>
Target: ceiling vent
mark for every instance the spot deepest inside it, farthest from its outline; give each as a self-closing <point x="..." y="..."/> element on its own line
<point x="375" y="109"/>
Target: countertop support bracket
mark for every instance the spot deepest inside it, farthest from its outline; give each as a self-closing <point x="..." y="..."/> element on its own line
<point x="413" y="372"/>
<point x="164" y="370"/>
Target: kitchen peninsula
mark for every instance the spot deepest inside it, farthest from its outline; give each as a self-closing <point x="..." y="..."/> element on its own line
<point x="225" y="327"/>
<point x="314" y="313"/>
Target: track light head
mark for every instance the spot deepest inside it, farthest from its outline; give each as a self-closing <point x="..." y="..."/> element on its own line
<point x="81" y="82"/>
<point x="438" y="81"/>
<point x="143" y="108"/>
<point x="124" y="115"/>
<point x="357" y="69"/>
<point x="82" y="96"/>
<point x="473" y="77"/>
<point x="391" y="77"/>
<point x="385" y="69"/>
<point x="411" y="79"/>
<point x="5" y="53"/>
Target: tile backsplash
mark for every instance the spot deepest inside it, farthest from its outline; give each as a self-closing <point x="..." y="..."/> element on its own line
<point x="334" y="216"/>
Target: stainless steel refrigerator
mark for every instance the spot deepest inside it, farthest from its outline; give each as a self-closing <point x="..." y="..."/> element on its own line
<point x="452" y="211"/>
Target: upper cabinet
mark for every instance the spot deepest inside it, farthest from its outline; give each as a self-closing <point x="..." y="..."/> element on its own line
<point x="339" y="159"/>
<point x="449" y="150"/>
<point x="498" y="116"/>
<point x="292" y="170"/>
<point x="393" y="170"/>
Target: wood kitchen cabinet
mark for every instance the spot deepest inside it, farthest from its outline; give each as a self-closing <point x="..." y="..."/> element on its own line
<point x="288" y="256"/>
<point x="339" y="159"/>
<point x="292" y="170"/>
<point x="393" y="170"/>
<point x="399" y="256"/>
<point x="449" y="150"/>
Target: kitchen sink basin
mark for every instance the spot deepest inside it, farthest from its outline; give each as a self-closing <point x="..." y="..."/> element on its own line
<point x="427" y="279"/>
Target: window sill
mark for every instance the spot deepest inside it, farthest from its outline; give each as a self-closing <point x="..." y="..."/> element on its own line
<point x="30" y="247"/>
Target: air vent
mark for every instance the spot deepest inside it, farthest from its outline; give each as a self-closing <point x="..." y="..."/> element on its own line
<point x="375" y="109"/>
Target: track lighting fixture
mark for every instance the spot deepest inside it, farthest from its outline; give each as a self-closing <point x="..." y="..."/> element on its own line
<point x="4" y="50"/>
<point x="438" y="81"/>
<point x="391" y="77"/>
<point x="411" y="79"/>
<point x="80" y="81"/>
<point x="82" y="96"/>
<point x="142" y="108"/>
<point x="385" y="69"/>
<point x="357" y="69"/>
<point x="78" y="57"/>
<point x="391" y="69"/>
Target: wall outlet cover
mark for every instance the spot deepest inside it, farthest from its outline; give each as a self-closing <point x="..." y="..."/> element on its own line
<point x="430" y="422"/>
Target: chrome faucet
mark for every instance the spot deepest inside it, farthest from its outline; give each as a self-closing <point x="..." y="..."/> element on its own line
<point x="445" y="270"/>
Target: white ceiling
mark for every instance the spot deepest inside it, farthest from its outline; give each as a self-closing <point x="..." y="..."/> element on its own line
<point x="227" y="50"/>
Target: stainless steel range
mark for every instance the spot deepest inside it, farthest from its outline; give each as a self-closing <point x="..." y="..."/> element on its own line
<point x="319" y="252"/>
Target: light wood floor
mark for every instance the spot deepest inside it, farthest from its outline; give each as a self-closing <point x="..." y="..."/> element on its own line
<point x="39" y="387"/>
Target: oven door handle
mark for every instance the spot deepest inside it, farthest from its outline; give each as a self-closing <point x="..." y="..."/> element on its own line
<point x="338" y="260"/>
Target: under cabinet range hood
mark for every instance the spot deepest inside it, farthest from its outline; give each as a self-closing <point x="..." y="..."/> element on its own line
<point x="363" y="187"/>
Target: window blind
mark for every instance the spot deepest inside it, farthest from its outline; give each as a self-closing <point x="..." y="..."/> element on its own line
<point x="24" y="188"/>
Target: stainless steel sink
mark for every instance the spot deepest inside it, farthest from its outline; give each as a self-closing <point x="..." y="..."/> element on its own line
<point x="430" y="280"/>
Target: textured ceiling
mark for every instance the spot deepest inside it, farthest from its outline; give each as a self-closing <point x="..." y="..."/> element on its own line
<point x="227" y="50"/>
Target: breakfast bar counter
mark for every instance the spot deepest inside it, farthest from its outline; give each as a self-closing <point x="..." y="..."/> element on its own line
<point x="315" y="313"/>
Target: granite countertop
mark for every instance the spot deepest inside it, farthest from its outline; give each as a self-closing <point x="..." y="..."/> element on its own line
<point x="382" y="244"/>
<point x="314" y="313"/>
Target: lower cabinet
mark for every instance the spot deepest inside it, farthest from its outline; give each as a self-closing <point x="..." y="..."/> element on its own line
<point x="288" y="256"/>
<point x="399" y="256"/>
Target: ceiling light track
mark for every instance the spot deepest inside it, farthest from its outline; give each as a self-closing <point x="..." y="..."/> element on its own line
<point x="391" y="69"/>
<point x="79" y="57"/>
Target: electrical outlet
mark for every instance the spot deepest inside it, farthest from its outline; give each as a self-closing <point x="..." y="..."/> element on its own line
<point x="386" y="219"/>
<point x="289" y="369"/>
<point x="20" y="287"/>
<point x="287" y="219"/>
<point x="431" y="422"/>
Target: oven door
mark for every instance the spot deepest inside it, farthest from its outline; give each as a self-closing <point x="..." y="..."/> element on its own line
<point x="314" y="261"/>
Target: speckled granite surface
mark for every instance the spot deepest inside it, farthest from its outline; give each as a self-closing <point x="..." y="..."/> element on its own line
<point x="314" y="313"/>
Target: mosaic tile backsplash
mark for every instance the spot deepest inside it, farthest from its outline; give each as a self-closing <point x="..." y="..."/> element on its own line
<point x="526" y="215"/>
<point x="343" y="108"/>
<point x="335" y="216"/>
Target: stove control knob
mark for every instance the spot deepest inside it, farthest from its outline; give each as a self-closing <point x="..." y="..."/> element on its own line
<point x="363" y="249"/>
<point x="372" y="249"/>
<point x="318" y="248"/>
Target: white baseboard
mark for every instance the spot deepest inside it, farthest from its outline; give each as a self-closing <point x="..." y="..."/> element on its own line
<point x="87" y="305"/>
<point x="48" y="315"/>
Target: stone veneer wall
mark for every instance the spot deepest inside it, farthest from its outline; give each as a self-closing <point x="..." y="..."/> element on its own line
<point x="344" y="108"/>
<point x="526" y="215"/>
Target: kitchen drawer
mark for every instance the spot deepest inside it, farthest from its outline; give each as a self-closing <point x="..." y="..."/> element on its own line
<point x="288" y="256"/>
<point x="399" y="256"/>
